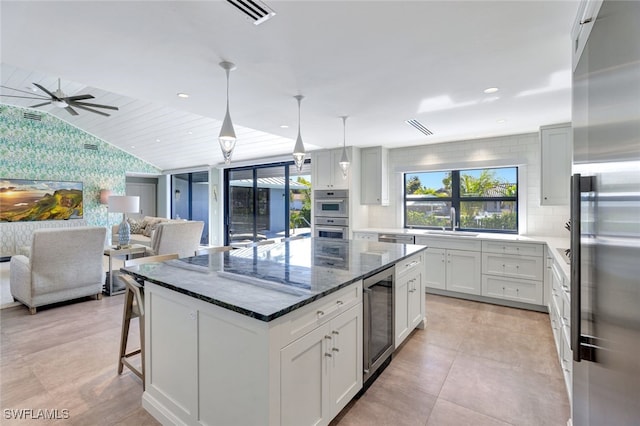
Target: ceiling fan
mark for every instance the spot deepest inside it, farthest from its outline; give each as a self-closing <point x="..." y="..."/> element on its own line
<point x="59" y="99"/>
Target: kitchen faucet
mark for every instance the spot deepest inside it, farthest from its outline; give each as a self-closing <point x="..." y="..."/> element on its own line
<point x="453" y="219"/>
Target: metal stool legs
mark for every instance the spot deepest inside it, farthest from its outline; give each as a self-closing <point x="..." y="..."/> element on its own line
<point x="134" y="293"/>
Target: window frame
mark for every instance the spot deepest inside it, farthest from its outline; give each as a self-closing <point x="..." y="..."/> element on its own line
<point x="456" y="199"/>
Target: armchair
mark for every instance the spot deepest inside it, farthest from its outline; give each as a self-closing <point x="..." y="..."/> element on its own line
<point x="64" y="264"/>
<point x="176" y="237"/>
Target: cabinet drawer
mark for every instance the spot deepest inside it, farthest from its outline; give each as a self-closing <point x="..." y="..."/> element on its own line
<point x="366" y="236"/>
<point x="512" y="289"/>
<point x="526" y="267"/>
<point x="512" y="248"/>
<point x="410" y="264"/>
<point x="303" y="320"/>
<point x="561" y="279"/>
<point x="450" y="242"/>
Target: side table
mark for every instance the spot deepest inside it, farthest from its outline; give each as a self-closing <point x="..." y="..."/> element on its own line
<point x="112" y="251"/>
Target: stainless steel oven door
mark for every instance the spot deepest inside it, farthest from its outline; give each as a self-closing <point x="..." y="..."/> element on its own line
<point x="336" y="232"/>
<point x="331" y="203"/>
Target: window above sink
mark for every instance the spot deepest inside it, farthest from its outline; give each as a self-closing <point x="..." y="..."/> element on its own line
<point x="459" y="202"/>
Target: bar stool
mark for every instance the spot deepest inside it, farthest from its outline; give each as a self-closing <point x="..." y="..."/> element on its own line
<point x="134" y="308"/>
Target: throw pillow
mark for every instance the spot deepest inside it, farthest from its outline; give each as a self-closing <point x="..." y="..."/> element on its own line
<point x="151" y="226"/>
<point x="136" y="226"/>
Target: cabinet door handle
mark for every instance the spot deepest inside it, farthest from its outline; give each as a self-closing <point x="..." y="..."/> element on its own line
<point x="327" y="337"/>
<point x="320" y="313"/>
<point x="335" y="349"/>
<point x="339" y="302"/>
<point x="328" y="355"/>
<point x="336" y="332"/>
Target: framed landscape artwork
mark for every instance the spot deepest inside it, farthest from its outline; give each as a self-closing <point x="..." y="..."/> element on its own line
<point x="31" y="200"/>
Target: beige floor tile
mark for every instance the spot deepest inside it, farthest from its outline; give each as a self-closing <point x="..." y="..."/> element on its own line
<point x="447" y="413"/>
<point x="507" y="393"/>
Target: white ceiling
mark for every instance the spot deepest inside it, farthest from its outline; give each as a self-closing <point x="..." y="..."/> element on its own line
<point x="379" y="62"/>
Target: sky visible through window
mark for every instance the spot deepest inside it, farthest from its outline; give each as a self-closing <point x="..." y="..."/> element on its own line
<point x="434" y="179"/>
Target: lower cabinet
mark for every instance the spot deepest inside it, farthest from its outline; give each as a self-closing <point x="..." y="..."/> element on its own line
<point x="452" y="264"/>
<point x="322" y="371"/>
<point x="409" y="295"/>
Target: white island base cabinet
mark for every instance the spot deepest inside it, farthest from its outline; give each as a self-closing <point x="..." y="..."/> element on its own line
<point x="209" y="365"/>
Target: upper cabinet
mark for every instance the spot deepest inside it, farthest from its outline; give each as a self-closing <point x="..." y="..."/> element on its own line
<point x="556" y="145"/>
<point x="327" y="173"/>
<point x="587" y="12"/>
<point x="374" y="176"/>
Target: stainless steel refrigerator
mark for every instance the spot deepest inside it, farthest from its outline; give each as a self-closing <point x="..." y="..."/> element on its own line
<point x="605" y="218"/>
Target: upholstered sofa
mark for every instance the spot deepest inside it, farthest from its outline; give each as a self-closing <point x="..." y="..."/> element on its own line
<point x="161" y="237"/>
<point x="141" y="229"/>
<point x="64" y="264"/>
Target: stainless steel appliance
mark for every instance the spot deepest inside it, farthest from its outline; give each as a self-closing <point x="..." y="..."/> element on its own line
<point x="378" y="303"/>
<point x="331" y="203"/>
<point x="331" y="214"/>
<point x="605" y="217"/>
<point x="331" y="227"/>
<point x="396" y="238"/>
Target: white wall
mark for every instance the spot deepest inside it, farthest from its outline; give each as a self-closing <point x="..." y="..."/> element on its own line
<point x="514" y="150"/>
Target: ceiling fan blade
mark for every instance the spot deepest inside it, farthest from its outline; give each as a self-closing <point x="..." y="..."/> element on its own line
<point x="24" y="97"/>
<point x="45" y="91"/>
<point x="78" y="97"/>
<point x="94" y="105"/>
<point x="39" y="105"/>
<point x="71" y="110"/>
<point x="90" y="109"/>
<point x="24" y="91"/>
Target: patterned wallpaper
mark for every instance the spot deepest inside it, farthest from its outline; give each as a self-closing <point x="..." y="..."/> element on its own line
<point x="53" y="149"/>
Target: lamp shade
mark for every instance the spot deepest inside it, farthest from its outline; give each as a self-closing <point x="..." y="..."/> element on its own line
<point x="124" y="204"/>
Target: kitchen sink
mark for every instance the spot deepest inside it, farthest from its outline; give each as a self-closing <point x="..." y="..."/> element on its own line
<point x="454" y="233"/>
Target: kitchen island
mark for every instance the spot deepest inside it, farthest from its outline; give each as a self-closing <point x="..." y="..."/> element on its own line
<point x="266" y="335"/>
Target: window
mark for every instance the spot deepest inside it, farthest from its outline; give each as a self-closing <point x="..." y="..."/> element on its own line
<point x="268" y="201"/>
<point x="483" y="199"/>
<point x="190" y="199"/>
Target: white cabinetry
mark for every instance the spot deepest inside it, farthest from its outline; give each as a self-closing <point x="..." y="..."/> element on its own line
<point x="409" y="297"/>
<point x="327" y="173"/>
<point x="453" y="264"/>
<point x="556" y="144"/>
<point x="209" y="365"/>
<point x="513" y="271"/>
<point x="322" y="371"/>
<point x="560" y="317"/>
<point x="375" y="176"/>
<point x="366" y="236"/>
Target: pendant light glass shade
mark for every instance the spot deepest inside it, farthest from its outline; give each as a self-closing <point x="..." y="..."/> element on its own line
<point x="227" y="137"/>
<point x="298" y="149"/>
<point x="344" y="159"/>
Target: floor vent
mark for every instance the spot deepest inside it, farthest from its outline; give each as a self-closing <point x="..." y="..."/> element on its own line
<point x="91" y="146"/>
<point x="32" y="116"/>
<point x="254" y="10"/>
<point x="418" y="125"/>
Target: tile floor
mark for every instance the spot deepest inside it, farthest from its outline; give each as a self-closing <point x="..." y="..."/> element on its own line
<point x="475" y="364"/>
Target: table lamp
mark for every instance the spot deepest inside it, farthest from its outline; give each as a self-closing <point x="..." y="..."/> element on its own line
<point x="124" y="204"/>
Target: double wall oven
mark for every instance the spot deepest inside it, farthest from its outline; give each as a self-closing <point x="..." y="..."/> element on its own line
<point x="331" y="214"/>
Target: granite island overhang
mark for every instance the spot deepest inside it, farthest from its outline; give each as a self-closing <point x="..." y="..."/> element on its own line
<point x="242" y="337"/>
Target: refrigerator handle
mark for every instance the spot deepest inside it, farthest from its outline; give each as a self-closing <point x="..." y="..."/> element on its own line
<point x="575" y="267"/>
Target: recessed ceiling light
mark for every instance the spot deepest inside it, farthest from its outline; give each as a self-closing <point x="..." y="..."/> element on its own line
<point x="491" y="90"/>
<point x="284" y="126"/>
<point x="157" y="140"/>
<point x="189" y="132"/>
<point x="133" y="146"/>
<point x="183" y="95"/>
<point x="501" y="121"/>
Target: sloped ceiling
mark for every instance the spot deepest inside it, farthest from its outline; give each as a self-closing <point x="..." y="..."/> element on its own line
<point x="379" y="62"/>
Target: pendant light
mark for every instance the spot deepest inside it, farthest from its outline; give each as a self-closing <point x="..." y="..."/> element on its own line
<point x="227" y="136"/>
<point x="298" y="150"/>
<point x="344" y="159"/>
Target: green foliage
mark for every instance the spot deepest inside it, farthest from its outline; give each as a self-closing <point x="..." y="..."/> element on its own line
<point x="301" y="218"/>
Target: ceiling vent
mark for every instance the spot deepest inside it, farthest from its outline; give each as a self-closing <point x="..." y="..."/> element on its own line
<point x="253" y="10"/>
<point x="91" y="146"/>
<point x="32" y="116"/>
<point x="418" y="125"/>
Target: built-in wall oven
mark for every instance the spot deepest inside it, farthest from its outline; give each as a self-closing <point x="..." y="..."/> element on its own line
<point x="331" y="203"/>
<point x="331" y="214"/>
<point x="378" y="306"/>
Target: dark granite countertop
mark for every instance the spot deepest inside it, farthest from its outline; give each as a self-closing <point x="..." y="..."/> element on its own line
<point x="266" y="282"/>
